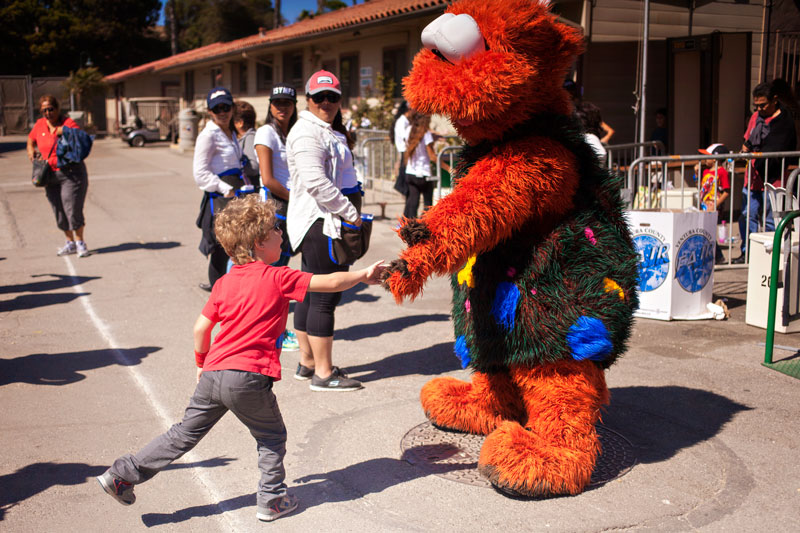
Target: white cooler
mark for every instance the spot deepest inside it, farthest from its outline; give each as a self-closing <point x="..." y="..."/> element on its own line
<point x="676" y="262"/>
<point x="759" y="281"/>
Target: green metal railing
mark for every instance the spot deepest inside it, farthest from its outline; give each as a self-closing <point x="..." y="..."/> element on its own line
<point x="789" y="367"/>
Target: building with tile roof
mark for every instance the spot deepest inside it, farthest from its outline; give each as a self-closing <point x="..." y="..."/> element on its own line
<point x="704" y="58"/>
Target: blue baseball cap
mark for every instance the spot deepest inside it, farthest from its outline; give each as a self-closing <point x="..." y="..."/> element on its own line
<point x="218" y="95"/>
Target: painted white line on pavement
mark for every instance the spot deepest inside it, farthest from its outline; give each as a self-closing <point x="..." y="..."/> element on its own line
<point x="149" y="394"/>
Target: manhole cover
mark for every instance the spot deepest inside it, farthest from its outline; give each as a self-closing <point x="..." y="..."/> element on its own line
<point x="454" y="456"/>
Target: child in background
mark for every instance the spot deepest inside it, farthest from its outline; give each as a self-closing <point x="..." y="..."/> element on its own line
<point x="237" y="372"/>
<point x="715" y="184"/>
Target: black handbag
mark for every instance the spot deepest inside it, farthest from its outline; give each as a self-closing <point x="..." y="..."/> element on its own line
<point x="42" y="174"/>
<point x="353" y="243"/>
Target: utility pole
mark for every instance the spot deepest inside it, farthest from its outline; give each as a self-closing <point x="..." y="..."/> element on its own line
<point x="276" y="16"/>
<point x="173" y="29"/>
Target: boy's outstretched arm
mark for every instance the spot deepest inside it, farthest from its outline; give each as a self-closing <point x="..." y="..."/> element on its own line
<point x="202" y="341"/>
<point x="341" y="281"/>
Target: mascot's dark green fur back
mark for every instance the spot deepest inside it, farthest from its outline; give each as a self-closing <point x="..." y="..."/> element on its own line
<point x="532" y="288"/>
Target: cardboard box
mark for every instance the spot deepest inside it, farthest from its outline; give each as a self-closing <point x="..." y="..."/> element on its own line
<point x="759" y="274"/>
<point x="677" y="199"/>
<point x="676" y="268"/>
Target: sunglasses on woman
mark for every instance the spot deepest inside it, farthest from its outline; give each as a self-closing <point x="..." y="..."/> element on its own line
<point x="48" y="109"/>
<point x="327" y="95"/>
<point x="221" y="108"/>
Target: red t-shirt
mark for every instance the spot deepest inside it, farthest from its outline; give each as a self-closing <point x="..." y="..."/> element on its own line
<point x="45" y="140"/>
<point x="251" y="303"/>
<point x="708" y="190"/>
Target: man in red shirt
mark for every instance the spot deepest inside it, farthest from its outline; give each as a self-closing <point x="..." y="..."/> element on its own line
<point x="236" y="373"/>
<point x="770" y="129"/>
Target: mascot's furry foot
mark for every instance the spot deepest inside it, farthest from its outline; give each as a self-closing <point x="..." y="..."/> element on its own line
<point x="555" y="453"/>
<point x="477" y="407"/>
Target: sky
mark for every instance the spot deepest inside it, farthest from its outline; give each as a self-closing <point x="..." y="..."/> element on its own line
<point x="290" y="9"/>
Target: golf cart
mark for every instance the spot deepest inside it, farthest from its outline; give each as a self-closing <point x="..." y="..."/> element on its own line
<point x="149" y="119"/>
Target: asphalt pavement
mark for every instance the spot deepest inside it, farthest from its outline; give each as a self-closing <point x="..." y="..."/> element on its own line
<point x="97" y="359"/>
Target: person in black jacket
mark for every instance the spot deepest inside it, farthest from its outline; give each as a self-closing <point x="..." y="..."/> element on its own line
<point x="770" y="129"/>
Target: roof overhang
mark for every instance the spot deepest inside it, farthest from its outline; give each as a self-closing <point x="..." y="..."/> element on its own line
<point x="360" y="16"/>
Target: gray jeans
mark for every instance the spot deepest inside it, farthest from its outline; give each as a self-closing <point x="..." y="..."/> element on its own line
<point x="67" y="194"/>
<point x="249" y="396"/>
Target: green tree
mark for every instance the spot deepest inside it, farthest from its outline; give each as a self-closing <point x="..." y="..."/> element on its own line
<point x="55" y="37"/>
<point x="204" y="22"/>
<point x="85" y="83"/>
<point x="379" y="115"/>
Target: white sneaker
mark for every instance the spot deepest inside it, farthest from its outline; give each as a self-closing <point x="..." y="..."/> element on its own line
<point x="83" y="250"/>
<point x="68" y="249"/>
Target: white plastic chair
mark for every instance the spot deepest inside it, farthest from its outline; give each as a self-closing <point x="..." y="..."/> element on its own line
<point x="781" y="200"/>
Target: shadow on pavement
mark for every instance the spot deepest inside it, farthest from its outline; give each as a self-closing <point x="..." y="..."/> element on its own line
<point x="434" y="360"/>
<point x="365" y="331"/>
<point x="128" y="246"/>
<point x="368" y="477"/>
<point x="231" y="504"/>
<point x="32" y="301"/>
<point x="208" y="463"/>
<point x="352" y="295"/>
<point x="10" y="146"/>
<point x="661" y="421"/>
<point x="66" y="368"/>
<point x="346" y="484"/>
<point x="35" y="478"/>
<point x="60" y="282"/>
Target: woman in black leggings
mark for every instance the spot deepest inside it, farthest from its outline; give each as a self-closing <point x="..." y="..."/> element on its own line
<point x="418" y="156"/>
<point x="325" y="194"/>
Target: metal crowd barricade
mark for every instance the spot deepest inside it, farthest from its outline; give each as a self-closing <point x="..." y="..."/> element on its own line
<point x="619" y="156"/>
<point x="657" y="182"/>
<point x="376" y="158"/>
<point x="450" y="152"/>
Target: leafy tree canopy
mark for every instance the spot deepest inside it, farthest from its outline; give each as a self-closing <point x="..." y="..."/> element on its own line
<point x="203" y="22"/>
<point x="56" y="37"/>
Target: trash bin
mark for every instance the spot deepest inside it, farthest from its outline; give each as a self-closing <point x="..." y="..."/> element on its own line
<point x="676" y="262"/>
<point x="187" y="122"/>
<point x="787" y="316"/>
<point x="79" y="117"/>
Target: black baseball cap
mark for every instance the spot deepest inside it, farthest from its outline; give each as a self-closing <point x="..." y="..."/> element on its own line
<point x="283" y="91"/>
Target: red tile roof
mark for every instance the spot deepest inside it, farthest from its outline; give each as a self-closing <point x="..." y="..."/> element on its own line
<point x="364" y="13"/>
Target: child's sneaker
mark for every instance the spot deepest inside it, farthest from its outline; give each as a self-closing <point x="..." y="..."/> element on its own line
<point x="83" y="250"/>
<point x="337" y="381"/>
<point x="68" y="249"/>
<point x="290" y="343"/>
<point x="120" y="490"/>
<point x="277" y="508"/>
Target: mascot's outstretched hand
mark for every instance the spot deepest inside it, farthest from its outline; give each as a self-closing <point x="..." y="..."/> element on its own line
<point x="542" y="264"/>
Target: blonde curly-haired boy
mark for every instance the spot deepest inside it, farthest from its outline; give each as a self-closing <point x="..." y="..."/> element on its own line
<point x="237" y="371"/>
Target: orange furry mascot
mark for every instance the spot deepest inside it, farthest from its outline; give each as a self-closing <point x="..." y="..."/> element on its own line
<point x="544" y="271"/>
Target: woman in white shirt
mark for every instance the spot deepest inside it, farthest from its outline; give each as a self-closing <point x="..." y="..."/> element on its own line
<point x="270" y="143"/>
<point x="325" y="193"/>
<point x="398" y="134"/>
<point x="217" y="170"/>
<point x="419" y="156"/>
<point x="592" y="121"/>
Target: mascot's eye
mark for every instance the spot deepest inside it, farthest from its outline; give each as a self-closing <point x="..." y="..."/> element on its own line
<point x="453" y="37"/>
